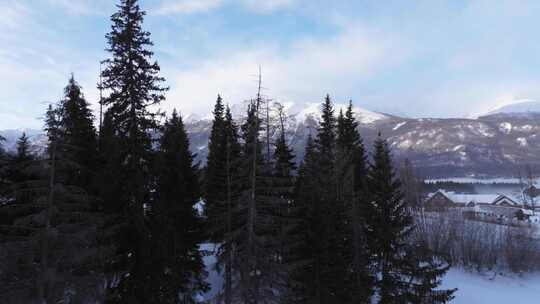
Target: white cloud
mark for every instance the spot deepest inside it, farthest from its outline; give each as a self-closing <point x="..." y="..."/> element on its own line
<point x="268" y="5"/>
<point x="185" y="7"/>
<point x="188" y="6"/>
<point x="12" y="15"/>
<point x="311" y="69"/>
<point x="84" y="7"/>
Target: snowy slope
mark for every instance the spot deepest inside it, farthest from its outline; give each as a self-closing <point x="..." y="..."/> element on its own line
<point x="519" y="107"/>
<point x="312" y="110"/>
<point x="489" y="146"/>
<point x="483" y="289"/>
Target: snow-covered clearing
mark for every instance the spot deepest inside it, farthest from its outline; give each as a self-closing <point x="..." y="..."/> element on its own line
<point x="214" y="278"/>
<point x="489" y="289"/>
<point x="478" y="180"/>
<point x="473" y="288"/>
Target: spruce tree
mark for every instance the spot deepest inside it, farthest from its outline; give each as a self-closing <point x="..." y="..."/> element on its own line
<point x="423" y="271"/>
<point x="228" y="209"/>
<point x="411" y="185"/>
<point x="333" y="267"/>
<point x="4" y="174"/>
<point x="325" y="276"/>
<point x="23" y="149"/>
<point x="222" y="188"/>
<point x="283" y="187"/>
<point x="20" y="171"/>
<point x="251" y="247"/>
<point x="388" y="223"/>
<point x="109" y="185"/>
<point x="259" y="272"/>
<point x="303" y="255"/>
<point x="53" y="235"/>
<point x="79" y="136"/>
<point x="326" y="137"/>
<point x="351" y="173"/>
<point x="407" y="272"/>
<point x="134" y="85"/>
<point x="215" y="187"/>
<point x="176" y="226"/>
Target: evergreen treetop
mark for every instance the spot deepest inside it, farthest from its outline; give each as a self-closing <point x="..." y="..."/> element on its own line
<point x="23" y="149"/>
<point x="178" y="266"/>
<point x="130" y="75"/>
<point x="326" y="135"/>
<point x="78" y="136"/>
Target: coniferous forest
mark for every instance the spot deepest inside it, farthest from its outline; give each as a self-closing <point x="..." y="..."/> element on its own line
<point x="116" y="210"/>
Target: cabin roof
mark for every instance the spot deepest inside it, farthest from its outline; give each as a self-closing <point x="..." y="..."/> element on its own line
<point x="459" y="198"/>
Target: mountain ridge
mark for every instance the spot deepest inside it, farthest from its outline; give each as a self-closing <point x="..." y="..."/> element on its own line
<point x="497" y="144"/>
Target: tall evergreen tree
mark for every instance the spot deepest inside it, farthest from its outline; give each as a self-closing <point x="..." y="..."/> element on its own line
<point x="326" y="137"/>
<point x="251" y="249"/>
<point x="353" y="197"/>
<point x="334" y="268"/>
<point x="79" y="136"/>
<point x="284" y="165"/>
<point x="110" y="186"/>
<point x="259" y="272"/>
<point x="178" y="267"/>
<point x="284" y="170"/>
<point x="23" y="149"/>
<point x="389" y="226"/>
<point x="411" y="185"/>
<point x="215" y="186"/>
<point x="227" y="216"/>
<point x="423" y="271"/>
<point x="134" y="85"/>
<point x="20" y="174"/>
<point x="54" y="234"/>
<point x="325" y="277"/>
<point x="304" y="280"/>
<point x="4" y="173"/>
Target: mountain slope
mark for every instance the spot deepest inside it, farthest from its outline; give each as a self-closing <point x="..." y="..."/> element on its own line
<point x="498" y="144"/>
<point x="526" y="106"/>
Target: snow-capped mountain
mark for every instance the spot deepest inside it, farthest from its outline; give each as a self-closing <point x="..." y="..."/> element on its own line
<point x="493" y="145"/>
<point x="496" y="144"/>
<point x="37" y="139"/>
<point x="516" y="108"/>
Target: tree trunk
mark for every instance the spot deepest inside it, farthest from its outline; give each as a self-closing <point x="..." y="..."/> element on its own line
<point x="44" y="286"/>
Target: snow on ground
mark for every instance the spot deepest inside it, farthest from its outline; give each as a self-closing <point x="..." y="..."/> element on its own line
<point x="518" y="106"/>
<point x="522" y="141"/>
<point x="214" y="278"/>
<point x="505" y="127"/>
<point x="488" y="289"/>
<point x="313" y="110"/>
<point x="473" y="288"/>
<point x="399" y="125"/>
<point x="475" y="180"/>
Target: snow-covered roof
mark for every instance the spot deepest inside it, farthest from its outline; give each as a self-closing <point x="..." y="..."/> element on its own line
<point x="459" y="198"/>
<point x="527" y="212"/>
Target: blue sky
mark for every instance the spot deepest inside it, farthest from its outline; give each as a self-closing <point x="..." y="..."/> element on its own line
<point x="417" y="58"/>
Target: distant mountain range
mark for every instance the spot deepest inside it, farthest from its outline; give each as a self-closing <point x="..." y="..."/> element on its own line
<point x="498" y="143"/>
<point x="520" y="108"/>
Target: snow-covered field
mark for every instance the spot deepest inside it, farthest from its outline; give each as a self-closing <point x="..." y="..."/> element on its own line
<point x="214" y="278"/>
<point x="473" y="288"/>
<point x="474" y="180"/>
<point x="489" y="289"/>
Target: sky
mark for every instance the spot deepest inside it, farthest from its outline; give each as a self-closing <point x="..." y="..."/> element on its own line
<point x="428" y="58"/>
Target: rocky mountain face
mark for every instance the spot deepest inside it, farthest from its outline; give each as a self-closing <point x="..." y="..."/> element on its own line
<point x="497" y="144"/>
